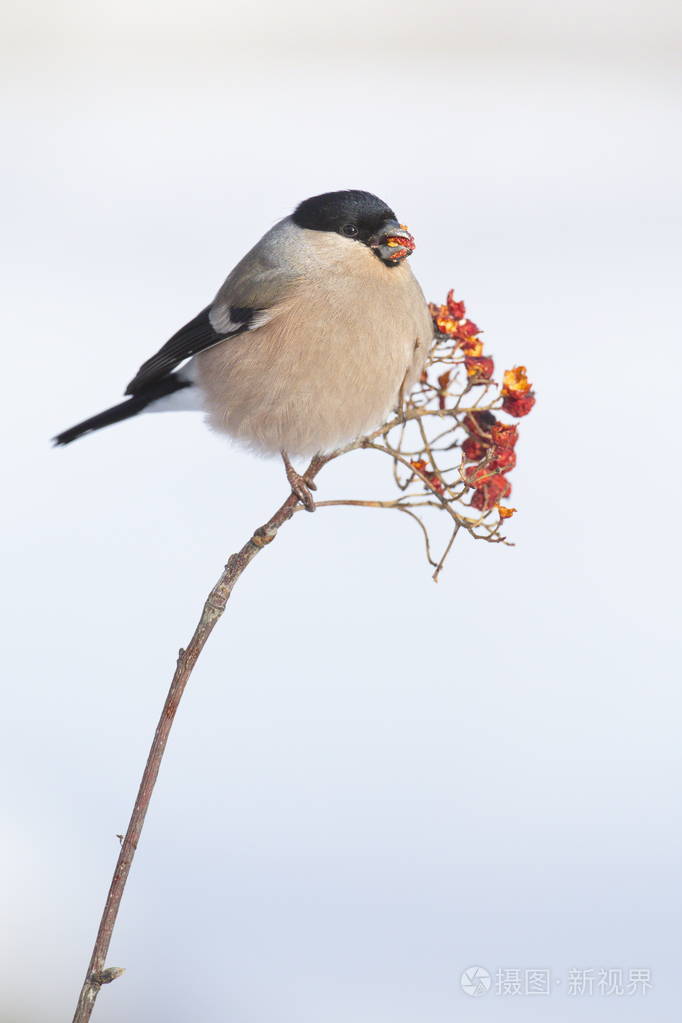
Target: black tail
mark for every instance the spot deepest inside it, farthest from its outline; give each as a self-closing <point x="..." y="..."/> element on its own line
<point x="125" y="410"/>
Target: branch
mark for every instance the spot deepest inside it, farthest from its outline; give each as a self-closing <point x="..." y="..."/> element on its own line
<point x="431" y="420"/>
<point x="97" y="974"/>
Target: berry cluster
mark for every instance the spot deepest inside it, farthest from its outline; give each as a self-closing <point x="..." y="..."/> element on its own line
<point x="489" y="443"/>
<point x="451" y="443"/>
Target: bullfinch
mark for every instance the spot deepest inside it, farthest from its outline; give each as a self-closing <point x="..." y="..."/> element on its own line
<point x="312" y="340"/>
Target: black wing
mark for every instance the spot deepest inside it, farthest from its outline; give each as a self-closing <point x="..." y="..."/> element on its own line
<point x="195" y="336"/>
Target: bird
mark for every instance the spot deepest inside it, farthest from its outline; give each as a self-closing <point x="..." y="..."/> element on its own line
<point x="313" y="339"/>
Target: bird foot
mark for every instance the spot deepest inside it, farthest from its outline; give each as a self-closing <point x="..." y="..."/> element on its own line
<point x="301" y="487"/>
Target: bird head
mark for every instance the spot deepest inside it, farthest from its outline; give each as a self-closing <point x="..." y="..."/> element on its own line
<point x="359" y="217"/>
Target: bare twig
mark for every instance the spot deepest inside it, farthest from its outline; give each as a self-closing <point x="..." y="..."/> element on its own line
<point x="213" y="609"/>
<point x="396" y="506"/>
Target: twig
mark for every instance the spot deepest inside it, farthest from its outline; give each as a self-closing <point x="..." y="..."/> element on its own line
<point x="397" y="506"/>
<point x="97" y="974"/>
<point x="439" y="566"/>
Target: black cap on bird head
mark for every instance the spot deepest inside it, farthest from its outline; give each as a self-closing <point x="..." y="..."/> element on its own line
<point x="358" y="216"/>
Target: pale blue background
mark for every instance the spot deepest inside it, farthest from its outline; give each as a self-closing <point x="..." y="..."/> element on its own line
<point x="374" y="782"/>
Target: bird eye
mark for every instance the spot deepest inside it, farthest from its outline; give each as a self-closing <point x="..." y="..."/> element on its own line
<point x="350" y="230"/>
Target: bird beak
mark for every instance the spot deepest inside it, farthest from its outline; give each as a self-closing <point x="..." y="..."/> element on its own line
<point x="392" y="242"/>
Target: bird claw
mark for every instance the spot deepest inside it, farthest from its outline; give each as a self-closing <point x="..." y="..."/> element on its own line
<point x="301" y="488"/>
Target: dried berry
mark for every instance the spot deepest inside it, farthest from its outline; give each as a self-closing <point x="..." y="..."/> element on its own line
<point x="443" y="383"/>
<point x="468" y="329"/>
<point x="476" y="475"/>
<point x="515" y="381"/>
<point x="445" y="324"/>
<point x="456" y="309"/>
<point x="479" y="368"/>
<point x="503" y="459"/>
<point x="473" y="450"/>
<point x="488" y="495"/>
<point x="505" y="435"/>
<point x="479" y="424"/>
<point x="518" y="404"/>
<point x="435" y="481"/>
<point x="472" y="346"/>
